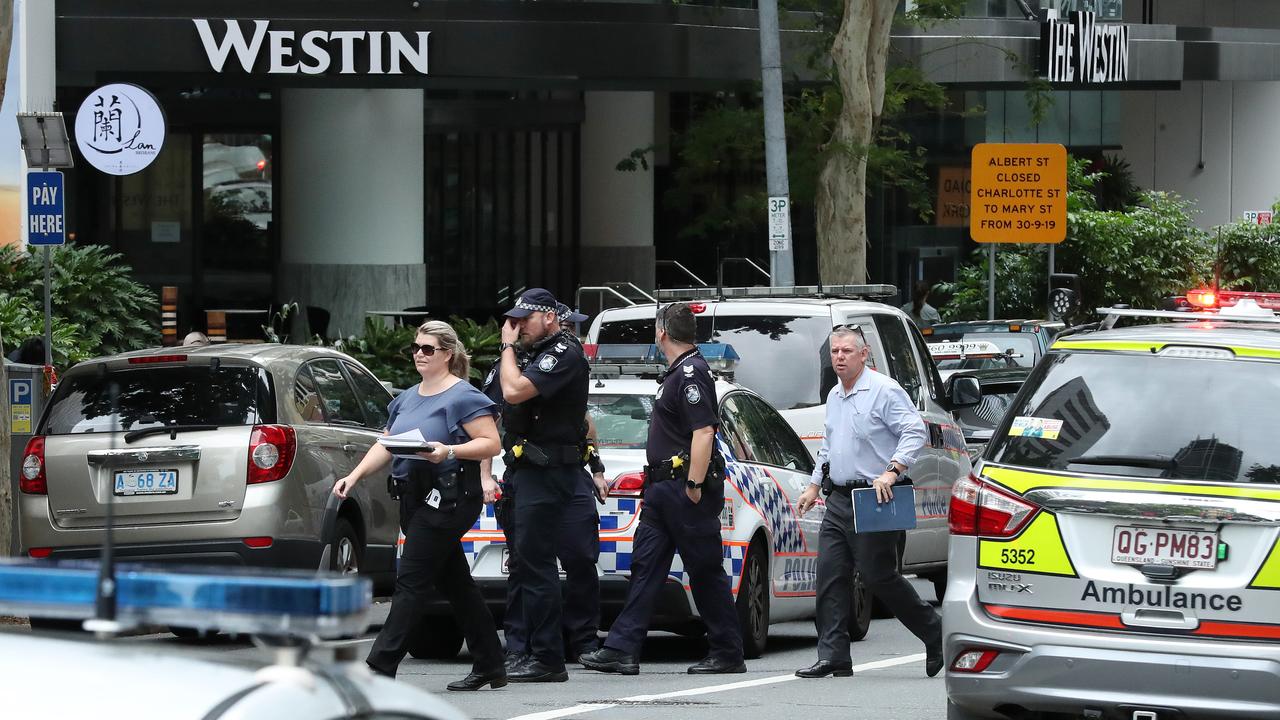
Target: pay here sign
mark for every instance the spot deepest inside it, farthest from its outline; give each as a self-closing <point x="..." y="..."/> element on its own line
<point x="46" y="224"/>
<point x="1019" y="193"/>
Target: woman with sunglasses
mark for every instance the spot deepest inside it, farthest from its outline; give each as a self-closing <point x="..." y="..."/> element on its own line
<point x="442" y="495"/>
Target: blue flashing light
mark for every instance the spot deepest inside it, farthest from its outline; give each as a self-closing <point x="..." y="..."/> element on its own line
<point x="229" y="599"/>
<point x="718" y="351"/>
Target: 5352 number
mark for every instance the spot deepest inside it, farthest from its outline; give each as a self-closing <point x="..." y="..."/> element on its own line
<point x="1017" y="557"/>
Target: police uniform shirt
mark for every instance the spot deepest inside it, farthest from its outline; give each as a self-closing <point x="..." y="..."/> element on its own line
<point x="560" y="372"/>
<point x="686" y="401"/>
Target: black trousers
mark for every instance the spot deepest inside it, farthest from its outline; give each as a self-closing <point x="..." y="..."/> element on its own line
<point x="433" y="557"/>
<point x="671" y="522"/>
<point x="840" y="550"/>
<point x="543" y="495"/>
<point x="578" y="550"/>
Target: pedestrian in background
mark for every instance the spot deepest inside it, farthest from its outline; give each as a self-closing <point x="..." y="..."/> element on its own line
<point x="547" y="400"/>
<point x="683" y="497"/>
<point x="922" y="313"/>
<point x="872" y="435"/>
<point x="442" y="493"/>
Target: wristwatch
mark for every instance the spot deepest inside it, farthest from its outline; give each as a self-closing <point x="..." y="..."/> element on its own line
<point x="502" y="348"/>
<point x="894" y="469"/>
<point x="450" y="456"/>
<point x="693" y="485"/>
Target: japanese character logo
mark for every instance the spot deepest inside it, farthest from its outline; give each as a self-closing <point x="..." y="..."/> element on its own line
<point x="692" y="394"/>
<point x="547" y="363"/>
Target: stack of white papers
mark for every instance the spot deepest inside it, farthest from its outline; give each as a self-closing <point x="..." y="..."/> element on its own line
<point x="405" y="443"/>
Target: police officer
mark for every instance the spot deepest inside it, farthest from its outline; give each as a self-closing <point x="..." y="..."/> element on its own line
<point x="547" y="400"/>
<point x="872" y="435"/>
<point x="578" y="548"/>
<point x="683" y="497"/>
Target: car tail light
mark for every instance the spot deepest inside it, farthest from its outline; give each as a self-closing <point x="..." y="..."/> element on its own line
<point x="39" y="553"/>
<point x="980" y="509"/>
<point x="974" y="660"/>
<point x="150" y="359"/>
<point x="33" y="480"/>
<point x="627" y="485"/>
<point x="271" y="450"/>
<point x="258" y="542"/>
<point x="590" y="350"/>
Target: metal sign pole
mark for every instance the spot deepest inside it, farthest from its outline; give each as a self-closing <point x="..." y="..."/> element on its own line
<point x="1051" y="269"/>
<point x="991" y="281"/>
<point x="781" y="255"/>
<point x="48" y="310"/>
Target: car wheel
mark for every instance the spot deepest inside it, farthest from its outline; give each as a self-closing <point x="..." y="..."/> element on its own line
<point x="753" y="603"/>
<point x="346" y="552"/>
<point x="860" y="609"/>
<point x="437" y="637"/>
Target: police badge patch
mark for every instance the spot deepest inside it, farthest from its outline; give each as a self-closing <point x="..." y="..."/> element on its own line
<point x="692" y="394"/>
<point x="547" y="363"/>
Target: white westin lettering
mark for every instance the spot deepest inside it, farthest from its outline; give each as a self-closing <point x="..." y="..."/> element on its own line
<point x="1084" y="51"/>
<point x="313" y="54"/>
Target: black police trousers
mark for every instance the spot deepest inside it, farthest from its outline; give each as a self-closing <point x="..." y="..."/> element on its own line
<point x="433" y="557"/>
<point x="875" y="555"/>
<point x="542" y="497"/>
<point x="578" y="549"/>
<point x="669" y="522"/>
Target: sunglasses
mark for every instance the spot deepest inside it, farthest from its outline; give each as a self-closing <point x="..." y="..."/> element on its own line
<point x="851" y="327"/>
<point x="415" y="348"/>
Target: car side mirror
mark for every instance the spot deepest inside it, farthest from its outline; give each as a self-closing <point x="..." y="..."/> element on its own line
<point x="965" y="391"/>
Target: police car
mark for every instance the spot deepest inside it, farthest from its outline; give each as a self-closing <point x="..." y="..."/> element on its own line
<point x="296" y="614"/>
<point x="1116" y="553"/>
<point x="770" y="552"/>
<point x="782" y="336"/>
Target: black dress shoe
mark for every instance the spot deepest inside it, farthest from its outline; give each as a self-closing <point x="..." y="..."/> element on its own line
<point x="475" y="681"/>
<point x="717" y="666"/>
<point x="933" y="660"/>
<point x="515" y="660"/>
<point x="535" y="670"/>
<point x="823" y="668"/>
<point x="608" y="660"/>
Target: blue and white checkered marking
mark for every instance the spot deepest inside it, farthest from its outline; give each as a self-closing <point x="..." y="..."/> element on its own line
<point x="764" y="493"/>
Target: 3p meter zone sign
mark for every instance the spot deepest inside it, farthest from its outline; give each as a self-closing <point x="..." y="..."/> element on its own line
<point x="1019" y="193"/>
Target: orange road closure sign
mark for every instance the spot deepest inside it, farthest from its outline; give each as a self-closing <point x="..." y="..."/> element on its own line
<point x="1019" y="193"/>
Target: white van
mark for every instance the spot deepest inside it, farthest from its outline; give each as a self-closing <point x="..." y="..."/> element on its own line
<point x="782" y="337"/>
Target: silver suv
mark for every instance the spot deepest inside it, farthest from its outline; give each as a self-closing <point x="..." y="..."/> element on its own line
<point x="227" y="454"/>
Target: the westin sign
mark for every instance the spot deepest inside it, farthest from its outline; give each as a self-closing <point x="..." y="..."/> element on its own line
<point x="373" y="52"/>
<point x="1083" y="51"/>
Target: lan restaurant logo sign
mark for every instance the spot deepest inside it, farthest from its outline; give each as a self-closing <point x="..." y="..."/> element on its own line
<point x="1084" y="51"/>
<point x="315" y="52"/>
<point x="120" y="128"/>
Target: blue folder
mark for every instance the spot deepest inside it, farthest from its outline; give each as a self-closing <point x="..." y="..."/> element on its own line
<point x="872" y="516"/>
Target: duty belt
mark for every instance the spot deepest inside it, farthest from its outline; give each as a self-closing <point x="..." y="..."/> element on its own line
<point x="527" y="453"/>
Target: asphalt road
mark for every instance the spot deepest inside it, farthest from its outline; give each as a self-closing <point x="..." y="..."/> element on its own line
<point x="889" y="682"/>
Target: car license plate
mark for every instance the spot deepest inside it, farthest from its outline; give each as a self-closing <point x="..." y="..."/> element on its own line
<point x="146" y="482"/>
<point x="1132" y="545"/>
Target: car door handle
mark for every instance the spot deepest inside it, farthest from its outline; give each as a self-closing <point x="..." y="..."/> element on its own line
<point x="349" y="447"/>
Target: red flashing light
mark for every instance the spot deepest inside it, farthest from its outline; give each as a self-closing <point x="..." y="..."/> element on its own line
<point x="271" y="451"/>
<point x="630" y="485"/>
<point x="590" y="349"/>
<point x="1203" y="298"/>
<point x="149" y="359"/>
<point x="40" y="553"/>
<point x="258" y="542"/>
<point x="32" y="479"/>
<point x="978" y="508"/>
<point x="697" y="308"/>
<point x="262" y="165"/>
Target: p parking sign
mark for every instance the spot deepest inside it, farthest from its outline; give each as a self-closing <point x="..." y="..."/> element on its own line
<point x="46" y="217"/>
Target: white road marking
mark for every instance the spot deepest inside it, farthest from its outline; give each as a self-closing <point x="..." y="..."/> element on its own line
<point x="772" y="680"/>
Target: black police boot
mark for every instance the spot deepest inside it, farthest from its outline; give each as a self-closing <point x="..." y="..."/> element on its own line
<point x="608" y="660"/>
<point x="475" y="681"/>
<point x="515" y="660"/>
<point x="534" y="670"/>
<point x="717" y="666"/>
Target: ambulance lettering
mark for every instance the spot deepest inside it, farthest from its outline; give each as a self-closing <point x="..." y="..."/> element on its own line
<point x="1165" y="597"/>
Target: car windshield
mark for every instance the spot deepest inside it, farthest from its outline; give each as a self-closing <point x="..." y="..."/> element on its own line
<point x="1024" y="344"/>
<point x="782" y="355"/>
<point x="1146" y="416"/>
<point x="154" y="396"/>
<point x="622" y="421"/>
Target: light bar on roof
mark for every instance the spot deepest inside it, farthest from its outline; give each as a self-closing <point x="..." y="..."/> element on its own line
<point x="765" y="291"/>
<point x="229" y="599"/>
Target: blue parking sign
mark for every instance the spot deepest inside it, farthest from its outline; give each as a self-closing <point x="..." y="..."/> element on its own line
<point x="46" y="219"/>
<point x="19" y="391"/>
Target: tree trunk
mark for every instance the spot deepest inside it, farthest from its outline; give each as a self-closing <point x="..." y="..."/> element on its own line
<point x="859" y="54"/>
<point x="6" y="482"/>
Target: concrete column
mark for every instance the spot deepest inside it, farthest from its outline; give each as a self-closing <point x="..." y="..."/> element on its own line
<point x="351" y="202"/>
<point x="617" y="207"/>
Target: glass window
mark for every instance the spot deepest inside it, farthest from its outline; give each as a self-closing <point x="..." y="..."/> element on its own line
<point x="236" y="241"/>
<point x="373" y="397"/>
<point x="1025" y="346"/>
<point x="897" y="348"/>
<point x="340" y="403"/>
<point x="640" y="332"/>
<point x="622" y="421"/>
<point x="785" y="445"/>
<point x="156" y="233"/>
<point x="306" y="398"/>
<point x="931" y="377"/>
<point x="782" y="355"/>
<point x="157" y="395"/>
<point x="737" y="428"/>
<point x="1110" y="425"/>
